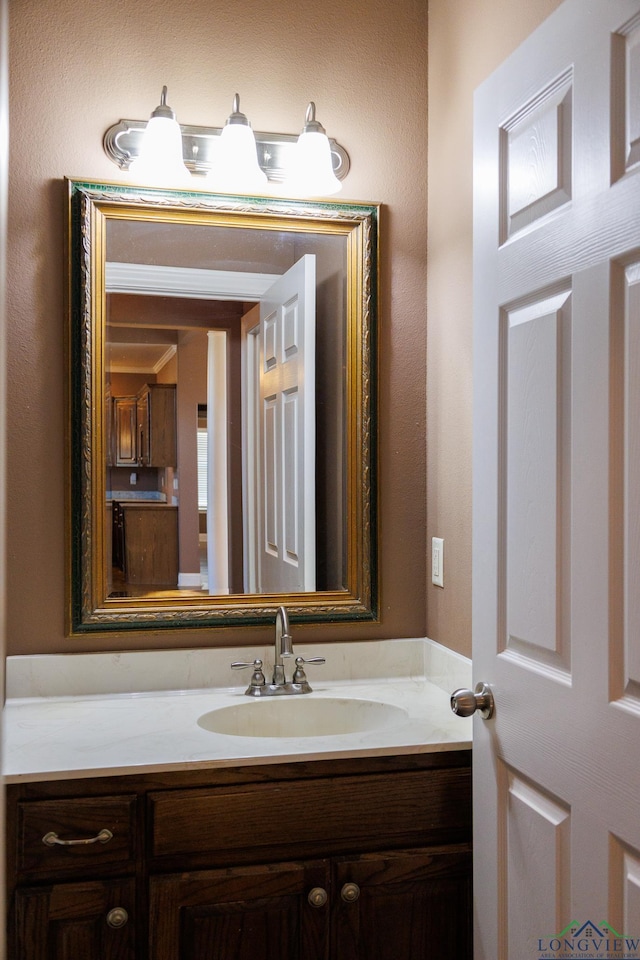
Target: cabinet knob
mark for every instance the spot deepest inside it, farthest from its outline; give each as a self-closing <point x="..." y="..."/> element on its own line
<point x="117" y="917"/>
<point x="350" y="892"/>
<point x="317" y="897"/>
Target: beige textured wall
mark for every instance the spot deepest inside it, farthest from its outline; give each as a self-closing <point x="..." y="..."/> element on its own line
<point x="78" y="67"/>
<point x="468" y="39"/>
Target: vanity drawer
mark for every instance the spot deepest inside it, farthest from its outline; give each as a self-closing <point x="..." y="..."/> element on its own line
<point x="261" y="821"/>
<point x="43" y="822"/>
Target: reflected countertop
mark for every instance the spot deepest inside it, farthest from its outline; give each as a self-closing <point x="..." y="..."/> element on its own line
<point x="82" y="715"/>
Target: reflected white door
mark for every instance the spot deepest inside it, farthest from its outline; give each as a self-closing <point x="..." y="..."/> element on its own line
<point x="287" y="443"/>
<point x="251" y="505"/>
<point x="217" y="470"/>
<point x="556" y="610"/>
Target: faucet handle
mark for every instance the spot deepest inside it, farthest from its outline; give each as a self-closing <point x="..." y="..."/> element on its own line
<point x="257" y="678"/>
<point x="299" y="675"/>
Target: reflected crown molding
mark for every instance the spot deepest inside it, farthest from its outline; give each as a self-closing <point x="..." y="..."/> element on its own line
<point x="191" y="282"/>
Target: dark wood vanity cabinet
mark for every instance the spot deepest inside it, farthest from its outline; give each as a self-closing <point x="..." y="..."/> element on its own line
<point x="364" y="859"/>
<point x="240" y="913"/>
<point x="69" y="921"/>
<point x="73" y="900"/>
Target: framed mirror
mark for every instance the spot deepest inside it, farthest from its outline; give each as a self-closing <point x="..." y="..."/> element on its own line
<point x="221" y="368"/>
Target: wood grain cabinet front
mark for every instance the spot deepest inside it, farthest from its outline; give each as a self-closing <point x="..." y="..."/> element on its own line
<point x="150" y="543"/>
<point x="92" y="836"/>
<point x="393" y="905"/>
<point x="75" y="860"/>
<point x="142" y="429"/>
<point x="241" y="913"/>
<point x="360" y="859"/>
<point x="93" y="920"/>
<point x="123" y="441"/>
<point x="410" y="904"/>
<point x="156" y="423"/>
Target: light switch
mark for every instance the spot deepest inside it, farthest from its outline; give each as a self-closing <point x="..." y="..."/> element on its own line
<point x="437" y="561"/>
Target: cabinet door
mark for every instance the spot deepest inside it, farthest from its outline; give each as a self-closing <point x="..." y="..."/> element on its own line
<point x="126" y="444"/>
<point x="142" y="418"/>
<point x="76" y="921"/>
<point x="403" y="905"/>
<point x="159" y="445"/>
<point x="248" y="913"/>
<point x="108" y="409"/>
<point x="151" y="544"/>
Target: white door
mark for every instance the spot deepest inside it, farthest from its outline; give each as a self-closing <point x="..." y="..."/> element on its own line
<point x="556" y="555"/>
<point x="287" y="541"/>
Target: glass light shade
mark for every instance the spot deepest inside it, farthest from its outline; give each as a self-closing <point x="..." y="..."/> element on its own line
<point x="235" y="165"/>
<point x="311" y="168"/>
<point x="160" y="162"/>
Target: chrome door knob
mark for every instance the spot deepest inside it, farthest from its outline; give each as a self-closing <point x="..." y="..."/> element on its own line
<point x="465" y="703"/>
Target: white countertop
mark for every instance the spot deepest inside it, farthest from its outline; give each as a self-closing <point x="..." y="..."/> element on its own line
<point x="76" y="716"/>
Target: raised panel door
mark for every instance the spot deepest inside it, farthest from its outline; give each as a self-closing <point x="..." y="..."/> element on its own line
<point x="75" y="921"/>
<point x="403" y="905"/>
<point x="556" y="486"/>
<point x="126" y="443"/>
<point x="248" y="913"/>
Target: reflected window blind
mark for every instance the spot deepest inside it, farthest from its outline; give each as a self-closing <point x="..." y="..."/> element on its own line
<point x="202" y="468"/>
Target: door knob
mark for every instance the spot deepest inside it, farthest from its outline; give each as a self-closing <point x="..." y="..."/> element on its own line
<point x="464" y="702"/>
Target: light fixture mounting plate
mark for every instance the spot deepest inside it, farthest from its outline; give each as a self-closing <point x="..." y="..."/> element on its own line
<point x="122" y="145"/>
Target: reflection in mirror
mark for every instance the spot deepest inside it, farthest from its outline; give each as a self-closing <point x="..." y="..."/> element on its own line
<point x="222" y="407"/>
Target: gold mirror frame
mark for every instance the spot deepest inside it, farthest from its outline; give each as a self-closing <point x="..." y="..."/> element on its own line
<point x="91" y="206"/>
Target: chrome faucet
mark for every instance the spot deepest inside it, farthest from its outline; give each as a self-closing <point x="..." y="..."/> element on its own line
<point x="283" y="645"/>
<point x="283" y="649"/>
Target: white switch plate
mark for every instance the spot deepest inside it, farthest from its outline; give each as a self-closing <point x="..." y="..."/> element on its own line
<point x="437" y="561"/>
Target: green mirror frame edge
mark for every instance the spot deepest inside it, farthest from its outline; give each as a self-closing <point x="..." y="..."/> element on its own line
<point x="86" y="611"/>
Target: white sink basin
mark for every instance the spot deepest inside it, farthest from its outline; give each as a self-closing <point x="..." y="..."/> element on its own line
<point x="301" y="716"/>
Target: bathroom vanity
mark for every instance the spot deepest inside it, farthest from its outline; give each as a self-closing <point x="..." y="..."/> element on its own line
<point x="367" y="858"/>
<point x="138" y="832"/>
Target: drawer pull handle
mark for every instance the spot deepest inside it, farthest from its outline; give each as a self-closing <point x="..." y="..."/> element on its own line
<point x="350" y="892"/>
<point x="52" y="839"/>
<point x="117" y="917"/>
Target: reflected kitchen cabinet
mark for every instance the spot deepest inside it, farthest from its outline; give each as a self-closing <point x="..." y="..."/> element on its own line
<point x="150" y="543"/>
<point x="124" y="443"/>
<point x="144" y="428"/>
<point x="156" y="420"/>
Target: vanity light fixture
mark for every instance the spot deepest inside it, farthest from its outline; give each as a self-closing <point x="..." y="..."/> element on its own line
<point x="311" y="170"/>
<point x="280" y="156"/>
<point x="236" y="167"/>
<point x="160" y="162"/>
